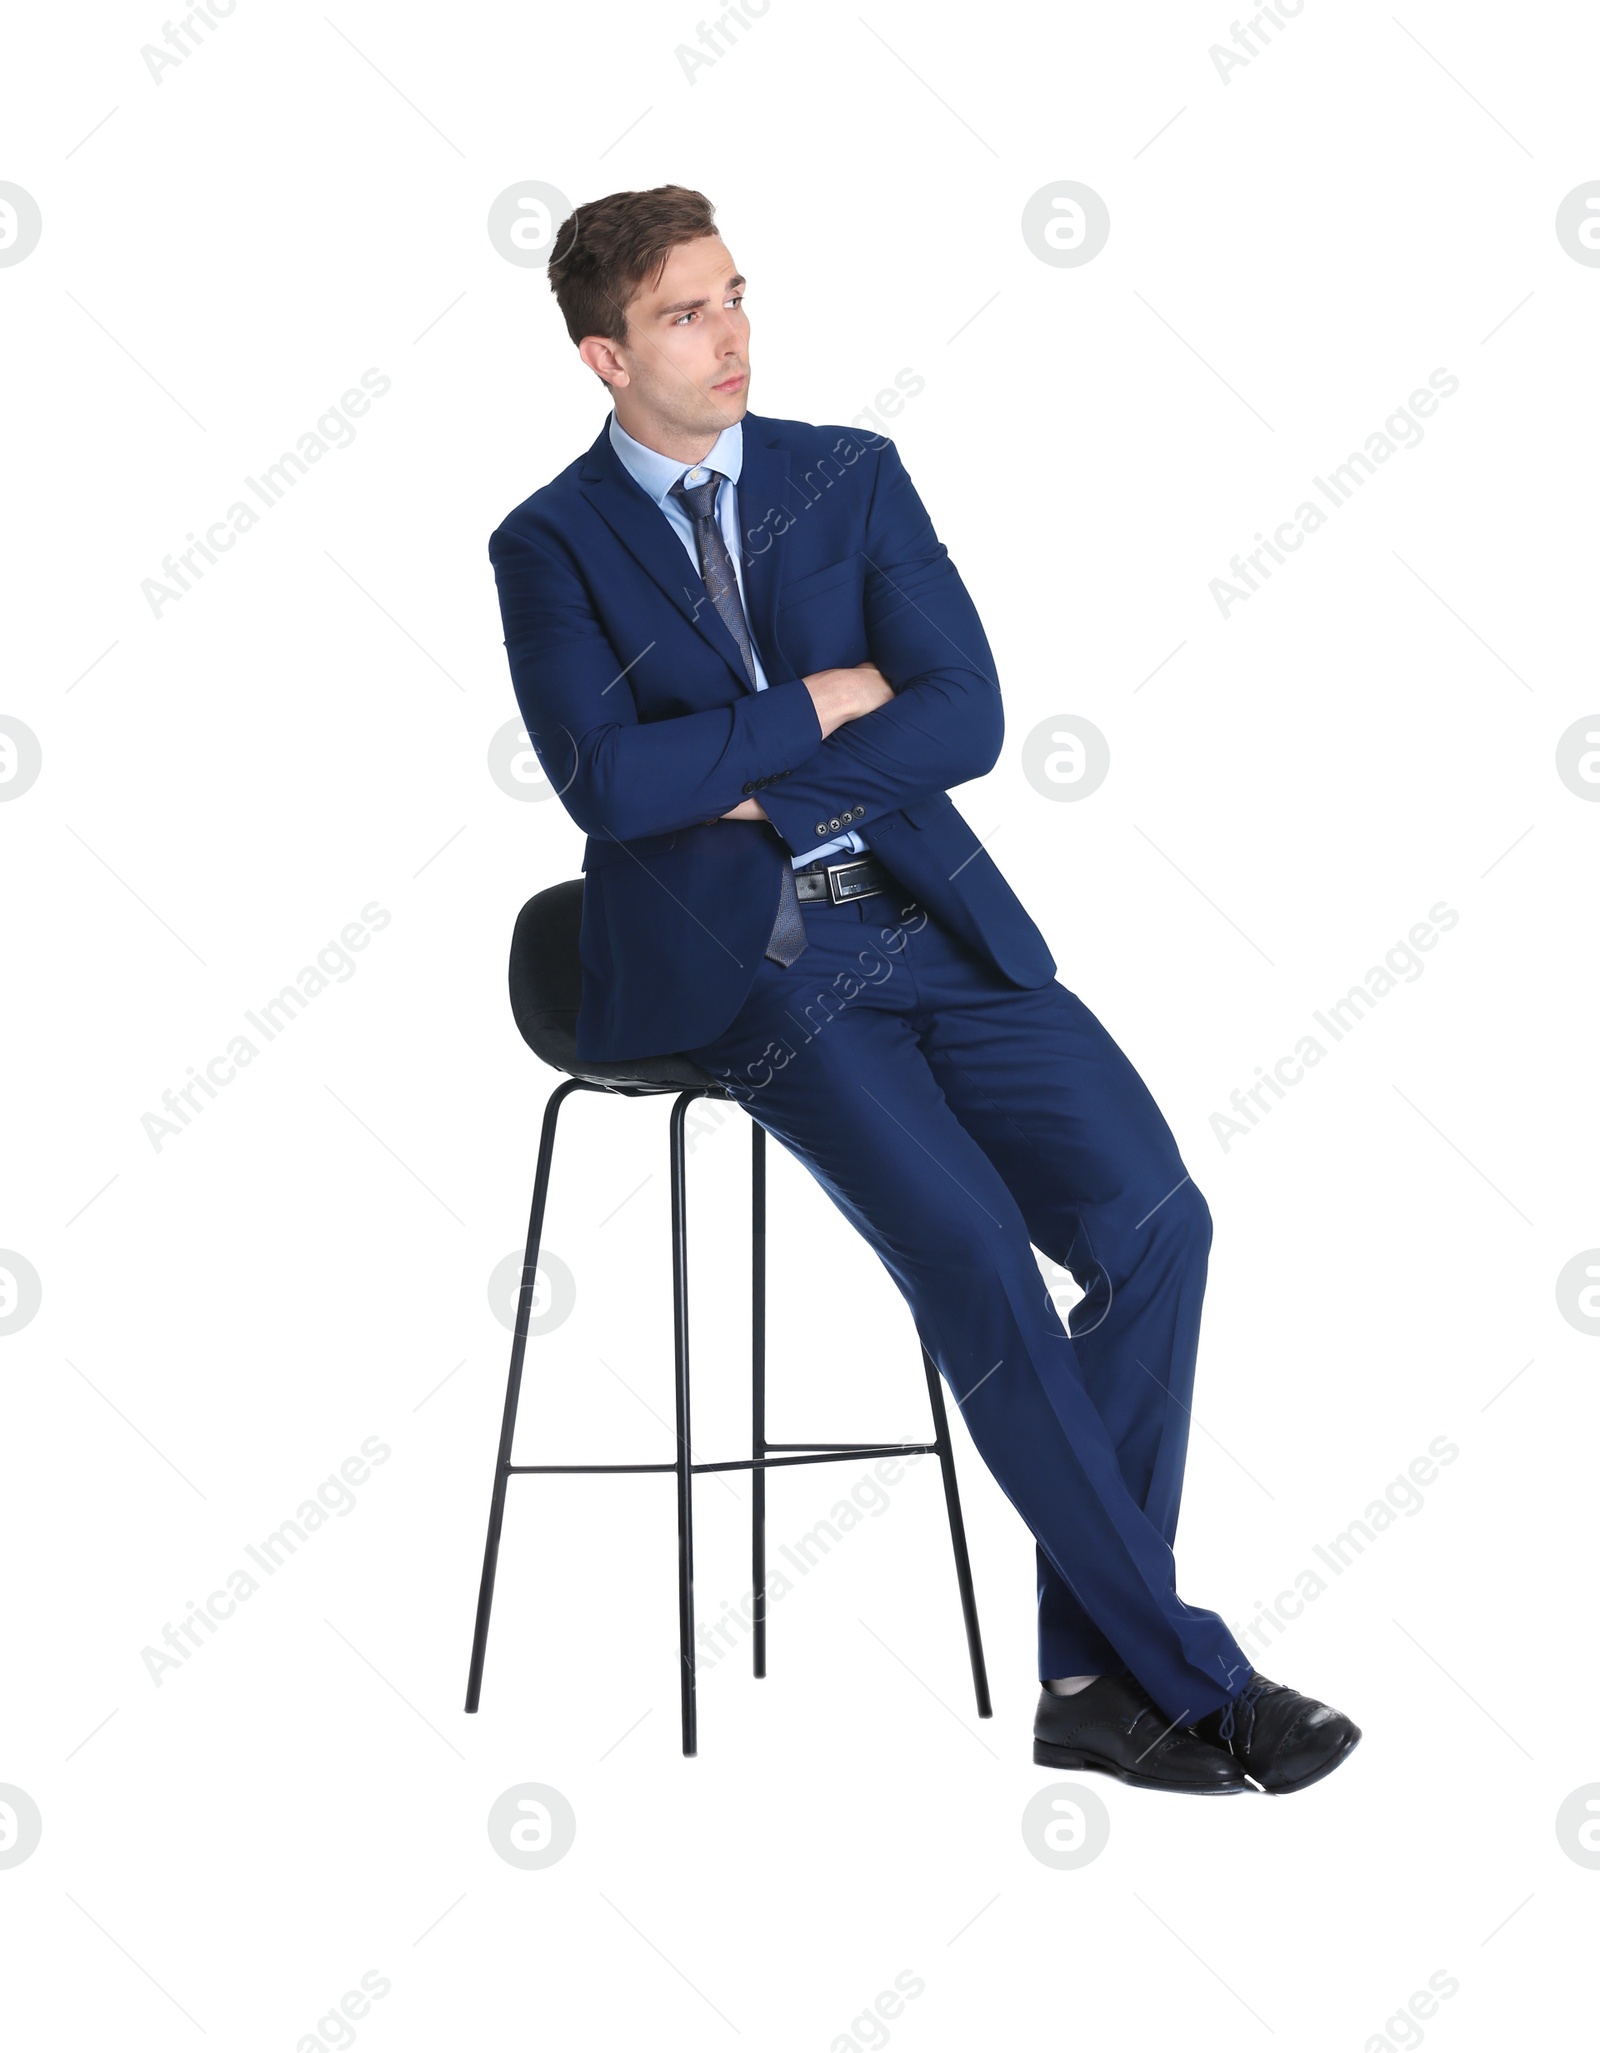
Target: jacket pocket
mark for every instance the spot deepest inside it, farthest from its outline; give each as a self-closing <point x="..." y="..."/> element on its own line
<point x="817" y="582"/>
<point x="598" y="851"/>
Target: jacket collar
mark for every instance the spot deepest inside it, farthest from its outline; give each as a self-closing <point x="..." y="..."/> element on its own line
<point x="637" y="522"/>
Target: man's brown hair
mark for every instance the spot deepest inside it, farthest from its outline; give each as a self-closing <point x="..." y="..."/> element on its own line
<point x="606" y="249"/>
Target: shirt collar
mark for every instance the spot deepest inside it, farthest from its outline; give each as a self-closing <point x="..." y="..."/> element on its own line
<point x="658" y="474"/>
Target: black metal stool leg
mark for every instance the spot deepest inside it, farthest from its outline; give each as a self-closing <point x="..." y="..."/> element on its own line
<point x="508" y="1423"/>
<point x="684" y="1466"/>
<point x="758" y="1390"/>
<point x="958" y="1535"/>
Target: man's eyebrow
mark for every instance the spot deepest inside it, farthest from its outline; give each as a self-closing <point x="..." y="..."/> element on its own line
<point x="684" y="306"/>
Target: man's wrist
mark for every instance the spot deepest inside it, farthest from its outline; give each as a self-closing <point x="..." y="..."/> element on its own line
<point x="834" y="693"/>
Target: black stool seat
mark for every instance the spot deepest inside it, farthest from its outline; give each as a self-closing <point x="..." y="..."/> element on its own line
<point x="546" y="988"/>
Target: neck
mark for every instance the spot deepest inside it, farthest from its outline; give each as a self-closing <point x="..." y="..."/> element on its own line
<point x="683" y="445"/>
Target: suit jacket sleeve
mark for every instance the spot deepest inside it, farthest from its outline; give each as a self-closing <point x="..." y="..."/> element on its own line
<point x="620" y="777"/>
<point x="943" y="725"/>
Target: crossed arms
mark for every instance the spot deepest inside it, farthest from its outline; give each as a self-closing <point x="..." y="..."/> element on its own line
<point x="923" y="715"/>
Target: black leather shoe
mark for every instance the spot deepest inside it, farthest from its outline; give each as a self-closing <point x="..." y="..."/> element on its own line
<point x="1113" y="1727"/>
<point x="1280" y="1739"/>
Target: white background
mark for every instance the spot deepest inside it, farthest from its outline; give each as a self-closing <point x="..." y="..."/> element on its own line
<point x="225" y="1319"/>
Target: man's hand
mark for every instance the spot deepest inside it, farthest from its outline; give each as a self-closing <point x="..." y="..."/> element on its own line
<point x="841" y="695"/>
<point x="838" y="695"/>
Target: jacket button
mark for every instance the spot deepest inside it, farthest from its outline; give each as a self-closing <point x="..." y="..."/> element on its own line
<point x="822" y="827"/>
<point x="858" y="812"/>
<point x="748" y="788"/>
<point x="833" y="823"/>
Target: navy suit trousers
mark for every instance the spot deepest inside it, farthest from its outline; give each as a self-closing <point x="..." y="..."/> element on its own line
<point x="959" y="1121"/>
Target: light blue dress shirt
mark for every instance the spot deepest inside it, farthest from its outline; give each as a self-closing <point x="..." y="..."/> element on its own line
<point x="658" y="474"/>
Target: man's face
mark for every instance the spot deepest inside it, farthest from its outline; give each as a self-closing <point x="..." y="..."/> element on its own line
<point x="683" y="374"/>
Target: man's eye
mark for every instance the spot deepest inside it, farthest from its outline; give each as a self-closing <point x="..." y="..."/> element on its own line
<point x="736" y="301"/>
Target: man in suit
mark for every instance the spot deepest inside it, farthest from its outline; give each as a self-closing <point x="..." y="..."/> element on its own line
<point x="751" y="671"/>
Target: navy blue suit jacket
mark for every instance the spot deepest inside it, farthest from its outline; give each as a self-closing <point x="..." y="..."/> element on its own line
<point x="639" y="709"/>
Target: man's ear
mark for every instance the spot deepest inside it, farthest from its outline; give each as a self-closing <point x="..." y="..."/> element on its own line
<point x="585" y="358"/>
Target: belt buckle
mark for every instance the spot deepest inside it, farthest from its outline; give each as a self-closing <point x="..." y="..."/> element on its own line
<point x="839" y="897"/>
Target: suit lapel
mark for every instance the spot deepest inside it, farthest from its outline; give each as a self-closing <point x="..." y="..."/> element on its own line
<point x="763" y="482"/>
<point x="644" y="532"/>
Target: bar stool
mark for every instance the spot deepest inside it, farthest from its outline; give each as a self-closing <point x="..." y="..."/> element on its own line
<point x="546" y="986"/>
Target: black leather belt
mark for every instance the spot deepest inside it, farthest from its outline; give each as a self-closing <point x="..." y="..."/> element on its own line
<point x="863" y="876"/>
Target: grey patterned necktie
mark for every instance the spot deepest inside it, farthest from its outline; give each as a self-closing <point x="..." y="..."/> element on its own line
<point x="716" y="567"/>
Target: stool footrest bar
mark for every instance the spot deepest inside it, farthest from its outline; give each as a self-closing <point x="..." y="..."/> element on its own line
<point x="593" y="1468"/>
<point x="850" y="1447"/>
<point x="815" y="1450"/>
<point x="705" y="1468"/>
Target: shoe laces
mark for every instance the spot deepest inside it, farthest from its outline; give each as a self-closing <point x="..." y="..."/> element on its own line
<point x="1245" y="1702"/>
